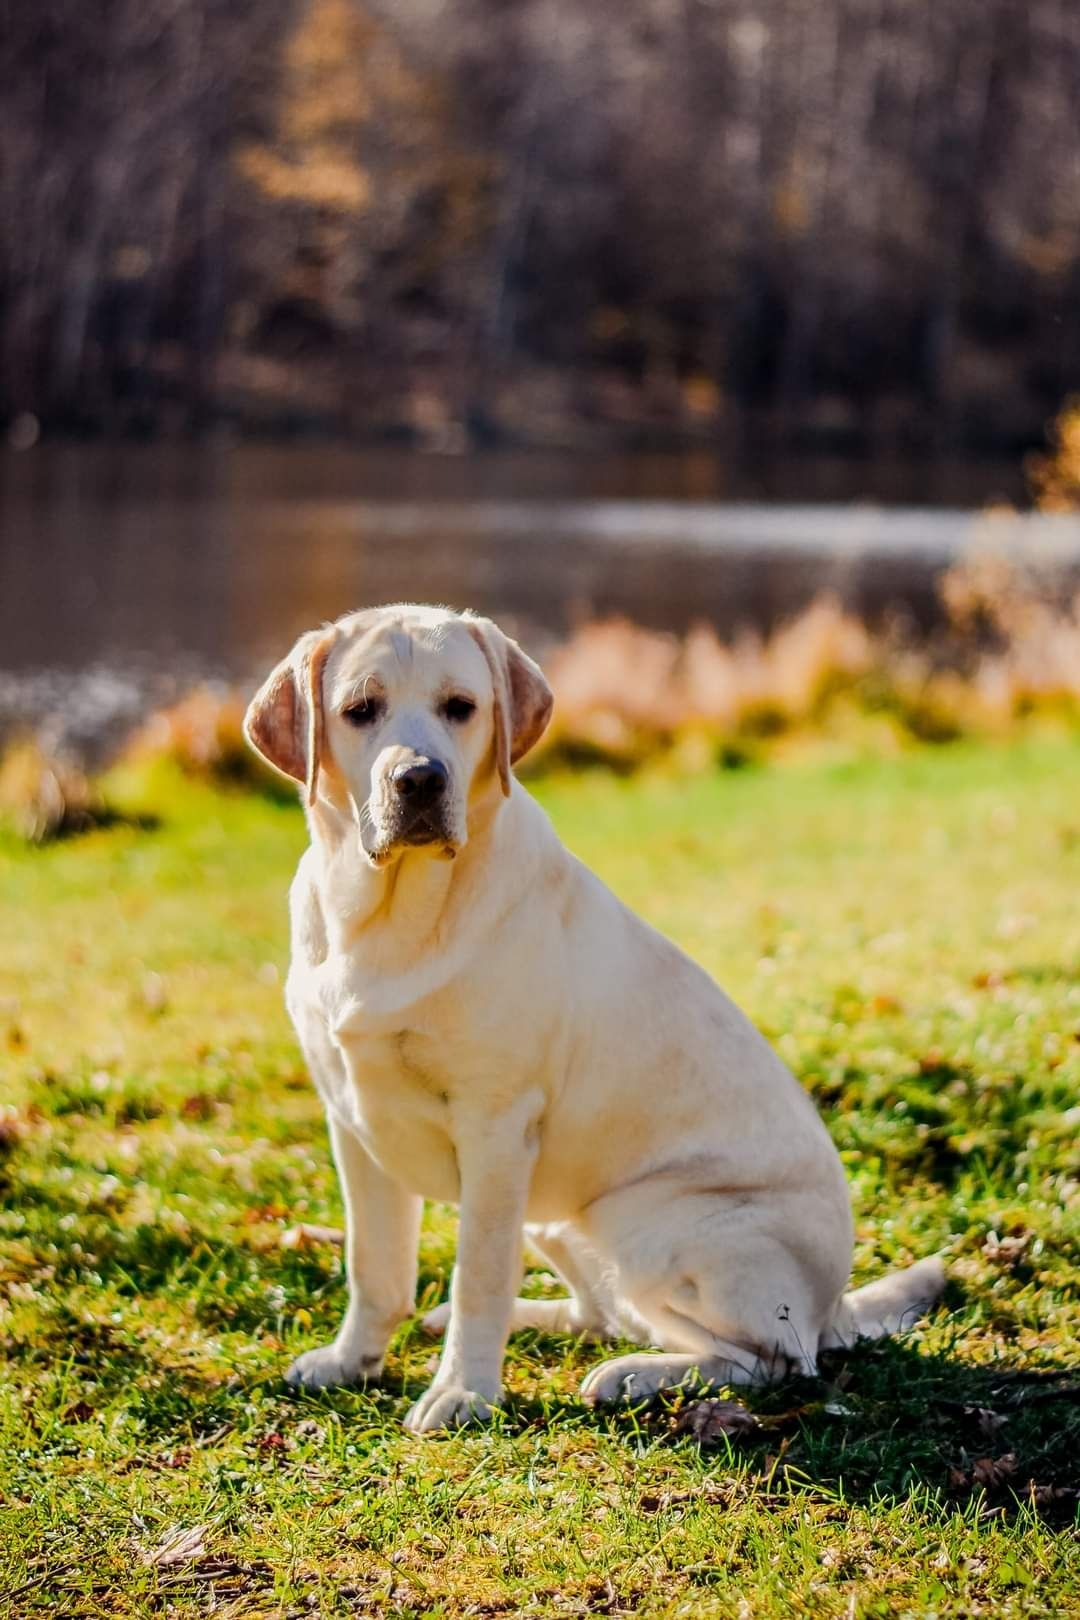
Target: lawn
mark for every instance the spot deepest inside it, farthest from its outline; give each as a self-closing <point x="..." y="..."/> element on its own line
<point x="906" y="931"/>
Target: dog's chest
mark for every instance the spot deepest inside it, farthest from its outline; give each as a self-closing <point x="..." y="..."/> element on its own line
<point x="416" y="1066"/>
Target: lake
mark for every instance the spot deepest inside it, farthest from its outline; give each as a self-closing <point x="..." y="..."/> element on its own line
<point x="128" y="573"/>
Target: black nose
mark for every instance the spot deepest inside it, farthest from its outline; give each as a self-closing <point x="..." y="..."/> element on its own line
<point x="421" y="784"/>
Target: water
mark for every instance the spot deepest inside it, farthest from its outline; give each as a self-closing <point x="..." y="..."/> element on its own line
<point x="127" y="574"/>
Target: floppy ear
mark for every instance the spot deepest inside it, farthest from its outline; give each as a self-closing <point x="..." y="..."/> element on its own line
<point x="285" y="721"/>
<point x="523" y="698"/>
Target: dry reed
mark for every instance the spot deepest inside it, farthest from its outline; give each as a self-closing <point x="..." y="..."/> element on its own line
<point x="43" y="797"/>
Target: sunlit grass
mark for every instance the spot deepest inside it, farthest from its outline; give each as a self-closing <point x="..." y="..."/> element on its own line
<point x="907" y="932"/>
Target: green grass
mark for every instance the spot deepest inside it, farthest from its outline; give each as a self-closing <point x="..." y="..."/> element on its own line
<point x="907" y="932"/>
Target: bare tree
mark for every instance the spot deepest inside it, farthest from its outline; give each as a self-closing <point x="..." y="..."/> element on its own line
<point x="823" y="210"/>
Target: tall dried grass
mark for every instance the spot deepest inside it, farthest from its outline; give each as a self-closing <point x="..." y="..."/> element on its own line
<point x="626" y="696"/>
<point x="203" y="734"/>
<point x="623" y="693"/>
<point x="1010" y="650"/>
<point x="43" y="797"/>
<point x="1027" y="638"/>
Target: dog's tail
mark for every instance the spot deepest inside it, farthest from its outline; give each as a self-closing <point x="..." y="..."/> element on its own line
<point x="889" y="1305"/>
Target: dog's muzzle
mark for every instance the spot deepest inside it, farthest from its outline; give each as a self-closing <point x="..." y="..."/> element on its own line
<point x="419" y="796"/>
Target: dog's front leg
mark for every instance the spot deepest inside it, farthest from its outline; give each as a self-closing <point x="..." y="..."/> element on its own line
<point x="382" y="1226"/>
<point x="495" y="1162"/>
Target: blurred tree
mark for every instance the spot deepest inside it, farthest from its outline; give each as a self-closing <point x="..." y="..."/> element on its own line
<point x="374" y="200"/>
<point x="849" y="219"/>
<point x="115" y="127"/>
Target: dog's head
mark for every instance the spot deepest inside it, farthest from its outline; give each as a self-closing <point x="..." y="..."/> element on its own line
<point x="410" y="715"/>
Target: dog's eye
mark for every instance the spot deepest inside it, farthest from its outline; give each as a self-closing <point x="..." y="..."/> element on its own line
<point x="458" y="709"/>
<point x="363" y="713"/>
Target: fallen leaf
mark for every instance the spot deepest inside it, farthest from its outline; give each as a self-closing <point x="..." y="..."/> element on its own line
<point x="993" y="1471"/>
<point x="883" y="1004"/>
<point x="11" y="1133"/>
<point x="199" y="1106"/>
<point x="264" y="1212"/>
<point x="1006" y="1251"/>
<point x="988" y="1422"/>
<point x="1043" y="1496"/>
<point x="708" y="1421"/>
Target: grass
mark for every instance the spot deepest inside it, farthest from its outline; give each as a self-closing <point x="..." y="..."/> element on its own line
<point x="906" y="931"/>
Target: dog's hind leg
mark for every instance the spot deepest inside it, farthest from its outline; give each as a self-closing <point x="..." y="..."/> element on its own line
<point x="716" y="1363"/>
<point x="726" y="1301"/>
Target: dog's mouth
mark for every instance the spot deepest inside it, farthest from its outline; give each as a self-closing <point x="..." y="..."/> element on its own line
<point x="421" y="831"/>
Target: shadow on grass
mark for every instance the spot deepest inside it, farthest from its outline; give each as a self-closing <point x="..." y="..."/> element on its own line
<point x="940" y="1123"/>
<point x="889" y="1422"/>
<point x="884" y="1422"/>
<point x="174" y="1400"/>
<point x="75" y="823"/>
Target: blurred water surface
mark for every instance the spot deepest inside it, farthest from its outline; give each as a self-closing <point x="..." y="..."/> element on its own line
<point x="141" y="569"/>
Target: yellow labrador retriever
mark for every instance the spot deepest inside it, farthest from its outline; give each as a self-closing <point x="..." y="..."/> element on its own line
<point x="488" y="1025"/>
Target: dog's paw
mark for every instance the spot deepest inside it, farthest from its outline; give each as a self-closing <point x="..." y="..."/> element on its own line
<point x="435" y="1322"/>
<point x="626" y="1378"/>
<point x="326" y="1368"/>
<point x="450" y="1407"/>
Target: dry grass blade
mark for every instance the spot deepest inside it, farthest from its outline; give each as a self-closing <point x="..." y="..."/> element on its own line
<point x="178" y="1546"/>
<point x="307" y="1236"/>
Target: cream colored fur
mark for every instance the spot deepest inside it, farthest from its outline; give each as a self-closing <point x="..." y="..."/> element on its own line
<point x="489" y="1026"/>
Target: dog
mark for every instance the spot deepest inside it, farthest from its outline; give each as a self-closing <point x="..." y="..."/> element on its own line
<point x="489" y="1026"/>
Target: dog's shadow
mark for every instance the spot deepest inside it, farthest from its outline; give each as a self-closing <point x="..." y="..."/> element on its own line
<point x="883" y="1423"/>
